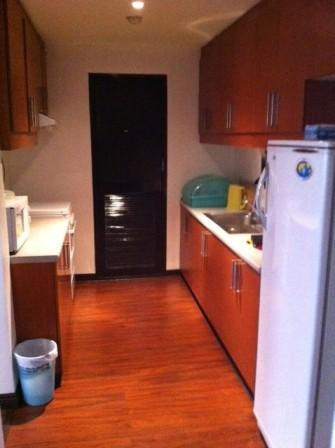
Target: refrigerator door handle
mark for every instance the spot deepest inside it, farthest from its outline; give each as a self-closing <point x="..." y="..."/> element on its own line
<point x="261" y="188"/>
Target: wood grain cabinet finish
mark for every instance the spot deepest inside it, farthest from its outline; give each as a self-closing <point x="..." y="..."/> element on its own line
<point x="192" y="253"/>
<point x="34" y="70"/>
<point x="210" y="98"/>
<point x="227" y="290"/>
<point x="41" y="299"/>
<point x="22" y="77"/>
<point x="265" y="69"/>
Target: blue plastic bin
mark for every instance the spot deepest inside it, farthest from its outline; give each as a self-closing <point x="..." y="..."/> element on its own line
<point x="208" y="190"/>
<point x="36" y="359"/>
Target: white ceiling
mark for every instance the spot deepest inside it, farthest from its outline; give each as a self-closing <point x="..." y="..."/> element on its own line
<point x="187" y="23"/>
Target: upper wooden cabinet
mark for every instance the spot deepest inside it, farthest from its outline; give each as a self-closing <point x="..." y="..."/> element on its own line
<point x="264" y="67"/>
<point x="211" y="72"/>
<point x="22" y="78"/>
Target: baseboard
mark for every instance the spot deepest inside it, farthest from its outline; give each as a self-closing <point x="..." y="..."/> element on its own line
<point x="96" y="277"/>
<point x="10" y="401"/>
<point x="85" y="277"/>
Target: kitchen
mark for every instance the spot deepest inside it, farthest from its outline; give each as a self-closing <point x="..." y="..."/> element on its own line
<point x="60" y="166"/>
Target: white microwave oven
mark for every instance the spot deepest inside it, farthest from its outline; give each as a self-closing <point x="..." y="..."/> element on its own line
<point x="18" y="221"/>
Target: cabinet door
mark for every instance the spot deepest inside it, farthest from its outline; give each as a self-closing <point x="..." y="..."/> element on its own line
<point x="211" y="119"/>
<point x="185" y="253"/>
<point x="34" y="74"/>
<point x="192" y="259"/>
<point x="267" y="62"/>
<point x="310" y="29"/>
<point x="35" y="300"/>
<point x="289" y="104"/>
<point x="44" y="84"/>
<point x="17" y="69"/>
<point x="220" y="300"/>
<point x="247" y="301"/>
<point x="242" y="68"/>
<point x="231" y="303"/>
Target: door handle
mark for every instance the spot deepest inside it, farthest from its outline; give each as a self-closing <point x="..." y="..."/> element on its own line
<point x="227" y="115"/>
<point x="276" y="98"/>
<point x="239" y="279"/>
<point x="233" y="276"/>
<point x="31" y="111"/>
<point x="204" y="244"/>
<point x="268" y="108"/>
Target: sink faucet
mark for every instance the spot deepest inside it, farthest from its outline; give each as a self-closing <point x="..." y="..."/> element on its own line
<point x="251" y="217"/>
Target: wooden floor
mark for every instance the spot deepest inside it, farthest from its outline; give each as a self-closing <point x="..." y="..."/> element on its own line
<point x="142" y="369"/>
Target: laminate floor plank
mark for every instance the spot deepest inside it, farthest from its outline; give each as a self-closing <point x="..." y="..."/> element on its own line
<point x="141" y="369"/>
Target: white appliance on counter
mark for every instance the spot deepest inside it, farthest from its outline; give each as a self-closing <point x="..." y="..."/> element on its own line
<point x="295" y="375"/>
<point x="8" y="379"/>
<point x="60" y="210"/>
<point x="18" y="224"/>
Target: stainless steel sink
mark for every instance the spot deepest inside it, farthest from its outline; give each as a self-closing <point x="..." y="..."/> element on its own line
<point x="244" y="222"/>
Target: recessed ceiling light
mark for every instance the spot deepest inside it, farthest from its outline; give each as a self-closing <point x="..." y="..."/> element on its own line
<point x="137" y="5"/>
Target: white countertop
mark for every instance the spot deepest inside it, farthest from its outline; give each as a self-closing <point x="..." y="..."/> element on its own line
<point x="45" y="241"/>
<point x="238" y="243"/>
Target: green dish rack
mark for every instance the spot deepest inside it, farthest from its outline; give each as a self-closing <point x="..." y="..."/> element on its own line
<point x="206" y="191"/>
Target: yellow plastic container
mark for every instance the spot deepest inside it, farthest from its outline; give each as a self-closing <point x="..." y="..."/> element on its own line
<point x="236" y="197"/>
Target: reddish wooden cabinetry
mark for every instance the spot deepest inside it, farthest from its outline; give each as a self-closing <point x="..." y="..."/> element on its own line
<point x="210" y="79"/>
<point x="266" y="64"/>
<point x="34" y="70"/>
<point x="227" y="290"/>
<point x="22" y="77"/>
<point x="191" y="253"/>
<point x="42" y="300"/>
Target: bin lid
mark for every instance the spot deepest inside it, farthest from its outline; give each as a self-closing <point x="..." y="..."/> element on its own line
<point x="205" y="185"/>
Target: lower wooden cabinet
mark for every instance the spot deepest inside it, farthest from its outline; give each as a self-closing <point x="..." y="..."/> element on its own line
<point x="227" y="290"/>
<point x="191" y="253"/>
<point x="42" y="300"/>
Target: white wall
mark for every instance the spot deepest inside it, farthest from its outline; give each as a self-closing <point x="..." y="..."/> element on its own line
<point x="60" y="167"/>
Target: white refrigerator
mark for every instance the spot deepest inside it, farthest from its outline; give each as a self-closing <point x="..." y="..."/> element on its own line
<point x="8" y="380"/>
<point x="295" y="375"/>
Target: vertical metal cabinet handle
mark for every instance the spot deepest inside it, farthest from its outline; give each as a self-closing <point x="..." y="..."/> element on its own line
<point x="268" y="108"/>
<point x="34" y="112"/>
<point x="239" y="264"/>
<point x="206" y="235"/>
<point x="37" y="109"/>
<point x="276" y="99"/>
<point x="30" y="112"/>
<point x="233" y="276"/>
<point x="231" y="116"/>
<point x="272" y="109"/>
<point x="202" y="242"/>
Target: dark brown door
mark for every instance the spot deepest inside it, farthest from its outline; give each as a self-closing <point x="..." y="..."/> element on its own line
<point x="128" y="132"/>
